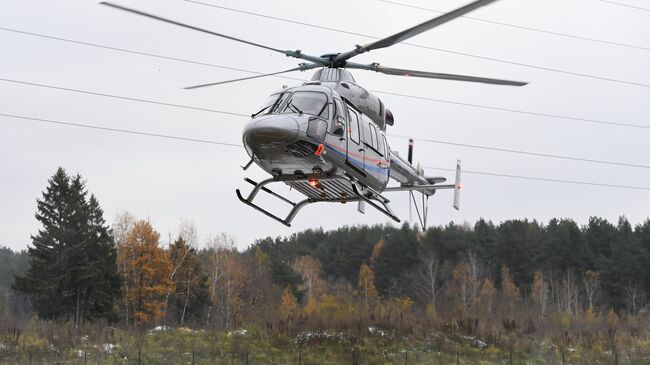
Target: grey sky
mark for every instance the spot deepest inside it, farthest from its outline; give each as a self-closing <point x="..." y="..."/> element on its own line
<point x="167" y="181"/>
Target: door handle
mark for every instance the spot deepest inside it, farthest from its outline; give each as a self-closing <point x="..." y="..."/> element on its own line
<point x="382" y="165"/>
<point x="361" y="150"/>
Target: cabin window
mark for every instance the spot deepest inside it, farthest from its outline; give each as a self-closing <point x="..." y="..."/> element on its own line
<point x="381" y="145"/>
<point x="373" y="136"/>
<point x="339" y="121"/>
<point x="386" y="148"/>
<point x="308" y="102"/>
<point x="354" y="126"/>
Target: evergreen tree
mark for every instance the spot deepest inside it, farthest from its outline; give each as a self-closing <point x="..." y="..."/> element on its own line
<point x="73" y="273"/>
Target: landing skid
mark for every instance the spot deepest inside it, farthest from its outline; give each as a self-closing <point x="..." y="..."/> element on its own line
<point x="331" y="189"/>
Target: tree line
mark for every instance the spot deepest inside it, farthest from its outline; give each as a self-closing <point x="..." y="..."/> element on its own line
<point x="515" y="273"/>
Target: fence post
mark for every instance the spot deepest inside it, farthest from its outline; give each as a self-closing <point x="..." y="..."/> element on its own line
<point x="85" y="352"/>
<point x="299" y="357"/>
<point x="616" y="358"/>
<point x="510" y="357"/>
<point x="406" y="357"/>
<point x="563" y="362"/>
<point x="457" y="358"/>
<point x="30" y="358"/>
<point x="192" y="357"/>
<point x="139" y="356"/>
<point x="247" y="358"/>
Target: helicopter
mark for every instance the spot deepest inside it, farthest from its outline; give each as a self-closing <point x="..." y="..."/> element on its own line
<point x="326" y="138"/>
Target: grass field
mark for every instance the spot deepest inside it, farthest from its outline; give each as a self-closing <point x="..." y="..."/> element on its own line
<point x="51" y="345"/>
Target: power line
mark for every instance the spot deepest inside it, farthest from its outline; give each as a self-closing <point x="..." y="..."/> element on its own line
<point x="96" y="45"/>
<point x="522" y="27"/>
<point x="537" y="154"/>
<point x="127" y="131"/>
<point x="195" y="140"/>
<point x="519" y="111"/>
<point x="124" y="97"/>
<point x="392" y="135"/>
<point x="587" y="120"/>
<point x="602" y="78"/>
<point x="625" y="5"/>
<point x="543" y="179"/>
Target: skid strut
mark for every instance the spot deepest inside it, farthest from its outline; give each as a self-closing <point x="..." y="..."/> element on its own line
<point x="359" y="194"/>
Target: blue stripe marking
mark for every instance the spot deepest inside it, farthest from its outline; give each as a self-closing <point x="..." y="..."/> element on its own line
<point x="360" y="164"/>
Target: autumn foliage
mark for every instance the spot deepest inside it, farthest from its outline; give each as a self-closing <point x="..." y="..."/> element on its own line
<point x="147" y="274"/>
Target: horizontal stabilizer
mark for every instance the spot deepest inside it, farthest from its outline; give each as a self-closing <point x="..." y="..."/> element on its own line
<point x="457" y="187"/>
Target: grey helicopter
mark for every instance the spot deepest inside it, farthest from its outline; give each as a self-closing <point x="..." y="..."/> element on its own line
<point x="326" y="138"/>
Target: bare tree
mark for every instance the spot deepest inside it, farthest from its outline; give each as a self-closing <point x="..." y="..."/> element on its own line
<point x="428" y="273"/>
<point x="634" y="298"/>
<point x="474" y="274"/>
<point x="591" y="281"/>
<point x="120" y="229"/>
<point x="309" y="269"/>
<point x="569" y="296"/>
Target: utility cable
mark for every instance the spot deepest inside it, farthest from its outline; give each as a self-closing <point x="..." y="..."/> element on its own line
<point x="124" y="97"/>
<point x="542" y="179"/>
<point x="519" y="111"/>
<point x="602" y="78"/>
<point x="219" y="143"/>
<point x="625" y="5"/>
<point x="127" y="131"/>
<point x="391" y="135"/>
<point x="520" y="152"/>
<point x="587" y="120"/>
<point x="521" y="27"/>
<point x="96" y="45"/>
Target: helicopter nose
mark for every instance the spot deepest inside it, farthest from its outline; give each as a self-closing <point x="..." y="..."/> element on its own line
<point x="271" y="132"/>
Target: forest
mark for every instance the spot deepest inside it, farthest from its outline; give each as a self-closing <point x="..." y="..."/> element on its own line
<point x="547" y="291"/>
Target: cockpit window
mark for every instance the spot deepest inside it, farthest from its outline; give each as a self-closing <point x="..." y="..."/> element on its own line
<point x="273" y="103"/>
<point x="308" y="102"/>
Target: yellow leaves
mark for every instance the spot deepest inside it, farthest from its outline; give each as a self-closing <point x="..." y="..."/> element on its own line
<point x="508" y="286"/>
<point x="288" y="304"/>
<point x="403" y="304"/>
<point x="311" y="307"/>
<point x="431" y="311"/>
<point x="328" y="307"/>
<point x="376" y="251"/>
<point x="366" y="285"/>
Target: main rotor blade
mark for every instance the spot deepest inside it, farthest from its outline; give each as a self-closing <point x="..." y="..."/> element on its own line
<point x="296" y="54"/>
<point x="433" y="75"/>
<point x="300" y="68"/>
<point x="413" y="31"/>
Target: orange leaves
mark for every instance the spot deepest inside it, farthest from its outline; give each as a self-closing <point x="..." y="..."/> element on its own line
<point x="146" y="269"/>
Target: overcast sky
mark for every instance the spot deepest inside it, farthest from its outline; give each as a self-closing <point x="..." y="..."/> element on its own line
<point x="167" y="181"/>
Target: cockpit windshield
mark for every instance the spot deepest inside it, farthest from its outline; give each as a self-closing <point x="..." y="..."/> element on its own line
<point x="272" y="103"/>
<point x="308" y="102"/>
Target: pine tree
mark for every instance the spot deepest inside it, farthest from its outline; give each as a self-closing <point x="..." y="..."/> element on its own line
<point x="73" y="274"/>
